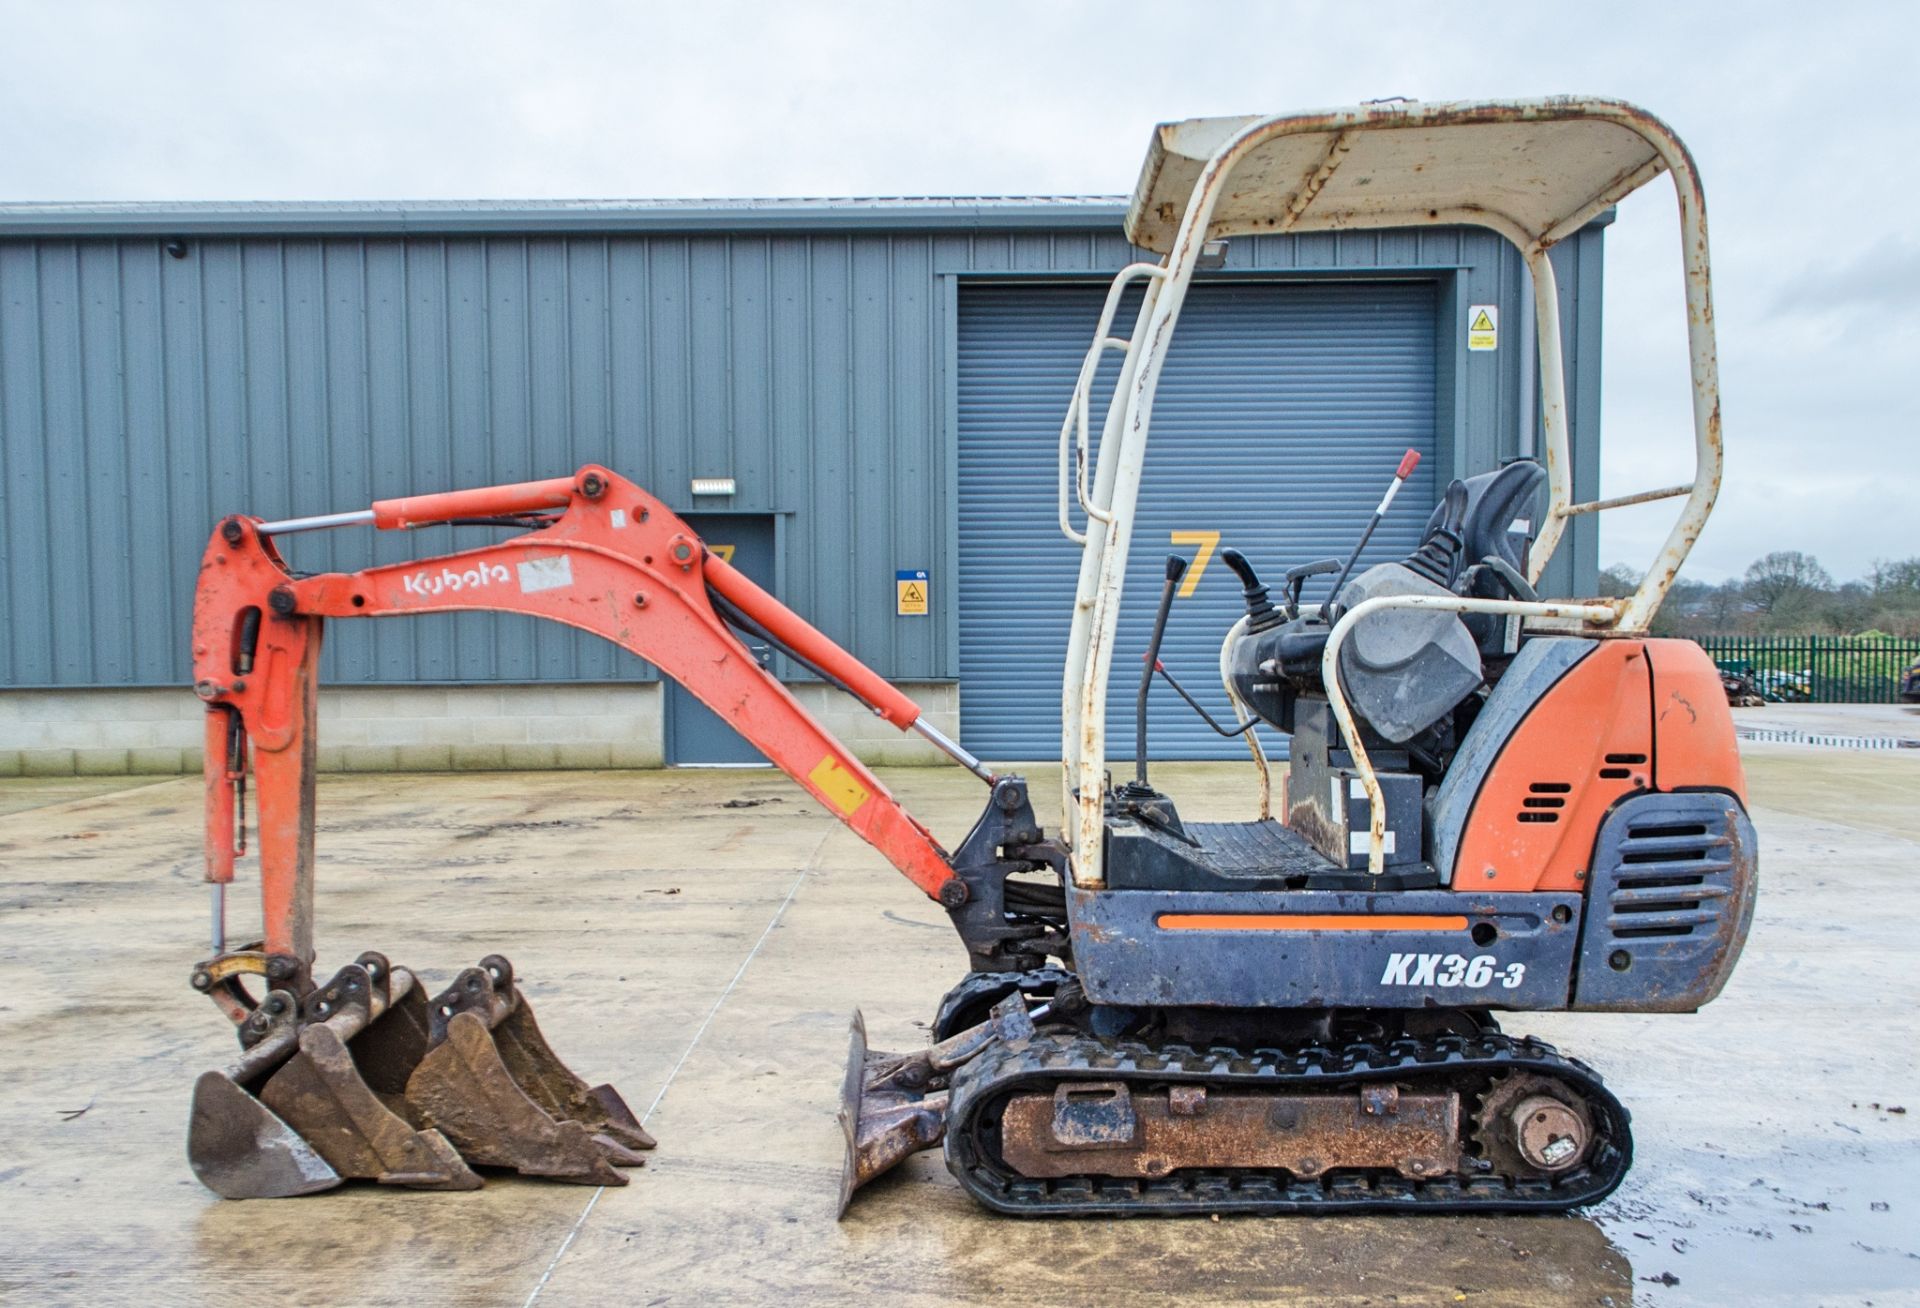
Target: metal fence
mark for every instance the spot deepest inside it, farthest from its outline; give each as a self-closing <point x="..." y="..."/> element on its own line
<point x="1818" y="669"/>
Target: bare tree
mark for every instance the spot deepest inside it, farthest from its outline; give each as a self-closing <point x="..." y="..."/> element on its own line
<point x="1896" y="578"/>
<point x="1618" y="581"/>
<point x="1785" y="580"/>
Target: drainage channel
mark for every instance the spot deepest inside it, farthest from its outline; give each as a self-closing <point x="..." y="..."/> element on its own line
<point x="1770" y="736"/>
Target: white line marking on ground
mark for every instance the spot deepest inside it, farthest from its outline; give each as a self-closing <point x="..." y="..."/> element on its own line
<point x="685" y="1054"/>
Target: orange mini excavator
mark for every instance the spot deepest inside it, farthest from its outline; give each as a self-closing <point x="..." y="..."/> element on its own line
<point x="1495" y="801"/>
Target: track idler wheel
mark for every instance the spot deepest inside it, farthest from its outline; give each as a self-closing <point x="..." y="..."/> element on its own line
<point x="547" y="1124"/>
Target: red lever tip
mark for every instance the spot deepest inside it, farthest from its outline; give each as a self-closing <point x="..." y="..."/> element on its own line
<point x="1408" y="462"/>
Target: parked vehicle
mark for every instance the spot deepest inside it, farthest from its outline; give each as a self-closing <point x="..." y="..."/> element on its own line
<point x="1779" y="687"/>
<point x="1736" y="678"/>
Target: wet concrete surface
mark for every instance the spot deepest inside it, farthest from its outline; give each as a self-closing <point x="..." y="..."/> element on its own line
<point x="704" y="958"/>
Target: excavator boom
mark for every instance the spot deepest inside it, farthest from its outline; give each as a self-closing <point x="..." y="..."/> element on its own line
<point x="605" y="557"/>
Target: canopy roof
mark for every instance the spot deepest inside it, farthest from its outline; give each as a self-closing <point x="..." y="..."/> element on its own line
<point x="1538" y="168"/>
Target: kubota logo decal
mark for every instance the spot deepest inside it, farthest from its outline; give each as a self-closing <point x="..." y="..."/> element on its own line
<point x="425" y="583"/>
<point x="1451" y="971"/>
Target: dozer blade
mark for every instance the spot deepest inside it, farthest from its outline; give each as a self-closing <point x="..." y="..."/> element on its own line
<point x="894" y="1105"/>
<point x="885" y="1121"/>
<point x="465" y="1088"/>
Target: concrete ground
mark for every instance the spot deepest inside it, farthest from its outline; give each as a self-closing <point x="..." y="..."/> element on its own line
<point x="699" y="938"/>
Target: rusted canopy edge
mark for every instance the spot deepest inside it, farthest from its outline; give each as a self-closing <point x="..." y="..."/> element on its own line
<point x="1554" y="165"/>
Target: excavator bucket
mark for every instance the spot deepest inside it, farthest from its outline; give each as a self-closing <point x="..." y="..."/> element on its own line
<point x="367" y="1079"/>
<point x="303" y="1110"/>
<point x="490" y="1084"/>
<point x="236" y="1145"/>
<point x="548" y="1081"/>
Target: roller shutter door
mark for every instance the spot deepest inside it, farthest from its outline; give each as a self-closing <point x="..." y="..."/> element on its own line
<point x="1280" y="416"/>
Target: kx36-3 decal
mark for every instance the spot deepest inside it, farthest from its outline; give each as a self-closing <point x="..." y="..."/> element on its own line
<point x="1451" y="971"/>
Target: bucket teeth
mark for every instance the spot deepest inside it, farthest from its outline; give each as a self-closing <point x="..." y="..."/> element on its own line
<point x="365" y="1078"/>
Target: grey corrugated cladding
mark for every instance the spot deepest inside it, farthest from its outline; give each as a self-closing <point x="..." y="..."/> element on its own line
<point x="308" y="358"/>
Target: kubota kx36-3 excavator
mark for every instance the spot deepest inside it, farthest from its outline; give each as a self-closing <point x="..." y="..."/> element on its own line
<point x="1495" y="801"/>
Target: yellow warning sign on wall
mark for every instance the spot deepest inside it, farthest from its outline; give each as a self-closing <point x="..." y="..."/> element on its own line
<point x="1483" y="327"/>
<point x="910" y="592"/>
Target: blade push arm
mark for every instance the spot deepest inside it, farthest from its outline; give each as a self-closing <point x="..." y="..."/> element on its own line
<point x="607" y="558"/>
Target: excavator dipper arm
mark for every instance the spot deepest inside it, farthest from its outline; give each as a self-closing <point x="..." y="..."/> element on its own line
<point x="364" y="1075"/>
<point x="606" y="557"/>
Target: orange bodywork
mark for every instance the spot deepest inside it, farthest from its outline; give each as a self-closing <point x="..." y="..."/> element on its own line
<point x="1693" y="740"/>
<point x="1635" y="715"/>
<point x="1310" y="922"/>
<point x="614" y="561"/>
<point x="1587" y="743"/>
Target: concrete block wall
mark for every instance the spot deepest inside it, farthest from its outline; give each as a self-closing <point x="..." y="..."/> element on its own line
<point x="415" y="728"/>
<point x="874" y="739"/>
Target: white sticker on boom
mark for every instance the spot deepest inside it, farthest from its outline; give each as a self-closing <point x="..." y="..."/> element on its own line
<point x="619" y="517"/>
<point x="546" y="574"/>
<point x="1357" y="842"/>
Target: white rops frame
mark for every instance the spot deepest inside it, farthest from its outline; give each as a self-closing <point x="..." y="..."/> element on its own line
<point x="1535" y="171"/>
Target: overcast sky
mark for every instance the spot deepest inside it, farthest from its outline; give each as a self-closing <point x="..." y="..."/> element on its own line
<point x="1791" y="111"/>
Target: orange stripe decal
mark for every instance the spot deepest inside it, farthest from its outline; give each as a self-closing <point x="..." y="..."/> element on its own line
<point x="1308" y="922"/>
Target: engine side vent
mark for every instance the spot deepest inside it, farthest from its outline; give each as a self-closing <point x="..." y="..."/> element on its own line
<point x="1543" y="801"/>
<point x="1620" y="766"/>
<point x="1671" y="884"/>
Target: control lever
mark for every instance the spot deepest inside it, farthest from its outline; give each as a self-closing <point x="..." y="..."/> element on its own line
<point x="1408" y="462"/>
<point x="1261" y="611"/>
<point x="1176" y="569"/>
<point x="1297" y="581"/>
<point x="1517" y="585"/>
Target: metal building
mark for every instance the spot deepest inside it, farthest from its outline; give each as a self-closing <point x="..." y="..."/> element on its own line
<point x="879" y="382"/>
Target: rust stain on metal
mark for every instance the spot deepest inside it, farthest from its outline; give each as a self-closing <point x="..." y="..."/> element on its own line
<point x="1042" y="1135"/>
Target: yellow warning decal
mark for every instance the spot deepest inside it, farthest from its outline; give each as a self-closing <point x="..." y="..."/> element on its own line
<point x="910" y="592"/>
<point x="722" y="552"/>
<point x="839" y="786"/>
<point x="1483" y="327"/>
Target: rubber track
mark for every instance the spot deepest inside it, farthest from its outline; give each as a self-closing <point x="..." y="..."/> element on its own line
<point x="1446" y="1062"/>
<point x="984" y="989"/>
